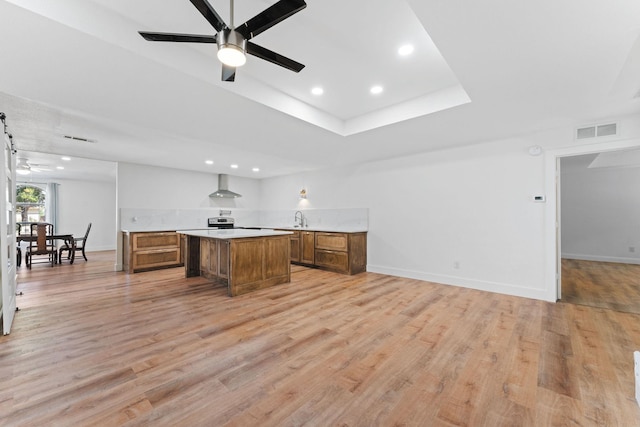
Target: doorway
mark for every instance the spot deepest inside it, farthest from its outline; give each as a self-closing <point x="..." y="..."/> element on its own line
<point x="597" y="213"/>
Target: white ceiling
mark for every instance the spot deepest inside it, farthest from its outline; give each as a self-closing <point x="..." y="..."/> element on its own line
<point x="78" y="67"/>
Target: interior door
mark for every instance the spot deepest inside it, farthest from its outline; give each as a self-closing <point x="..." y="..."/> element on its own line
<point x="8" y="235"/>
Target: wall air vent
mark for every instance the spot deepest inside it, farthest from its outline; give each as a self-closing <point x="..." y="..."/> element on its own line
<point x="589" y="132"/>
<point x="79" y="139"/>
<point x="597" y="131"/>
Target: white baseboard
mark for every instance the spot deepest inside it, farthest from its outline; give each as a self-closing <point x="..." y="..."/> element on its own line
<point x="481" y="285"/>
<point x="602" y="258"/>
<point x="101" y="248"/>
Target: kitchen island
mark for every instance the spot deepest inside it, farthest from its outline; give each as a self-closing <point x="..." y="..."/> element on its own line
<point x="245" y="260"/>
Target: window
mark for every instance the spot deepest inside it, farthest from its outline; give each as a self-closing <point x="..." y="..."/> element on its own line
<point x="29" y="206"/>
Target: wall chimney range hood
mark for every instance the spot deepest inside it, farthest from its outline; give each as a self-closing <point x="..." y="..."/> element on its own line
<point x="223" y="188"/>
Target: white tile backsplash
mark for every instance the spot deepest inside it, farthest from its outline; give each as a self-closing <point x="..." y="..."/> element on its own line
<point x="132" y="219"/>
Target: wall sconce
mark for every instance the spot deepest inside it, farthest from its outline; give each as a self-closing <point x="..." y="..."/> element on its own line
<point x="303" y="193"/>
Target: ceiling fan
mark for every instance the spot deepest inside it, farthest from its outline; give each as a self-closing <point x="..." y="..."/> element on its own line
<point x="25" y="167"/>
<point x="233" y="42"/>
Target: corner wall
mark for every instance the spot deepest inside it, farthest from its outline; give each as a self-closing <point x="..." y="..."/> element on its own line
<point x="463" y="216"/>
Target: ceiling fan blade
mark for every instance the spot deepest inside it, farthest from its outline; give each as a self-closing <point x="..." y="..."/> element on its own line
<point x="270" y="17"/>
<point x="271" y="56"/>
<point x="209" y="14"/>
<point x="228" y="73"/>
<point x="172" y="37"/>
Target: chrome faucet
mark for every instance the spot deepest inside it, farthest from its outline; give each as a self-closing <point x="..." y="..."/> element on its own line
<point x="298" y="220"/>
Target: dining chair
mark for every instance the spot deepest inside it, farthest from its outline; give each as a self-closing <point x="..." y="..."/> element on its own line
<point x="80" y="244"/>
<point x="41" y="243"/>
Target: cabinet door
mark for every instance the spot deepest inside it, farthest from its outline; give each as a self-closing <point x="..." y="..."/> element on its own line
<point x="308" y="239"/>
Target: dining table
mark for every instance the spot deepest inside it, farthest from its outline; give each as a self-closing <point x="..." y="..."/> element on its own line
<point x="67" y="238"/>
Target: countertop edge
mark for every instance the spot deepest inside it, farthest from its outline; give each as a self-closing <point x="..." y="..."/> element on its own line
<point x="287" y="228"/>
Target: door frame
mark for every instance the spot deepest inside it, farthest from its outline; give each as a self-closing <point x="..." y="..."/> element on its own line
<point x="553" y="252"/>
<point x="8" y="270"/>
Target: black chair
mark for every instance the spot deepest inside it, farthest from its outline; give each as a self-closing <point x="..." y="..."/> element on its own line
<point x="41" y="243"/>
<point x="80" y="244"/>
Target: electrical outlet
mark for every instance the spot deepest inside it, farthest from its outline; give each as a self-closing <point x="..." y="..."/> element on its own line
<point x="632" y="248"/>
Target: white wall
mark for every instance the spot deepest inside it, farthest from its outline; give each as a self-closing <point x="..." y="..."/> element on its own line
<point x="601" y="214"/>
<point x="170" y="190"/>
<point x="152" y="187"/>
<point x="82" y="202"/>
<point x="463" y="216"/>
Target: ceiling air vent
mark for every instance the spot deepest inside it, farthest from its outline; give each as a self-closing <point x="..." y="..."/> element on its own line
<point x="597" y="131"/>
<point x="79" y="139"/>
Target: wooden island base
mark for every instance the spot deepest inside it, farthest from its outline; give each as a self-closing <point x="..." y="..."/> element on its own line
<point x="243" y="264"/>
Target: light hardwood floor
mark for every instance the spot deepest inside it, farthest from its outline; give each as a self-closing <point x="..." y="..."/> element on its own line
<point x="94" y="347"/>
<point x="601" y="284"/>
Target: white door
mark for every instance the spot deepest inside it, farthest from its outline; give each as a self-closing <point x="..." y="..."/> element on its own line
<point x="8" y="235"/>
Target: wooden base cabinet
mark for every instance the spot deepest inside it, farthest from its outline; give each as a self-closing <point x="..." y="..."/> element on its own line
<point x="243" y="264"/>
<point x="340" y="252"/>
<point x="144" y="251"/>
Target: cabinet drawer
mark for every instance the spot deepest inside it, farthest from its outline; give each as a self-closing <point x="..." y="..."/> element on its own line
<point x="332" y="241"/>
<point x="334" y="260"/>
<point x="142" y="241"/>
<point x="156" y="258"/>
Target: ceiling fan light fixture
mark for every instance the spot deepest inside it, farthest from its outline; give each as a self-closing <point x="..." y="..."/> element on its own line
<point x="231" y="48"/>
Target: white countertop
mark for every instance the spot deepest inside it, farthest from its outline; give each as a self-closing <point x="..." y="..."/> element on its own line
<point x="336" y="229"/>
<point x="233" y="233"/>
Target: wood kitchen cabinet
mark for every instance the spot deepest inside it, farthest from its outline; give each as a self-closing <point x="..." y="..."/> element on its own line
<point x="144" y="251"/>
<point x="341" y="252"/>
<point x="244" y="264"/>
<point x="302" y="246"/>
<point x="295" y="246"/>
<point x="307" y="247"/>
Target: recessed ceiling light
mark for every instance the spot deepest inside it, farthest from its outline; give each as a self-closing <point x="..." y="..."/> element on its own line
<point x="256" y="169"/>
<point x="65" y="158"/>
<point x="209" y="162"/>
<point x="59" y="167"/>
<point x="317" y="90"/>
<point x="234" y="166"/>
<point x="405" y="50"/>
<point x="376" y="90"/>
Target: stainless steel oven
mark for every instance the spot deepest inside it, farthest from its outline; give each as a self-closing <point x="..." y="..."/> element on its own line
<point x="221" y="222"/>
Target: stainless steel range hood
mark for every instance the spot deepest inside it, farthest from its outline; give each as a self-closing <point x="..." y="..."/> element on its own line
<point x="223" y="188"/>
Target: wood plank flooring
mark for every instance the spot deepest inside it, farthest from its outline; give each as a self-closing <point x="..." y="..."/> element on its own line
<point x="601" y="284"/>
<point x="92" y="347"/>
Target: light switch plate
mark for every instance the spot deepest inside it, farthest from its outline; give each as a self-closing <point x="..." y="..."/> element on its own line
<point x="636" y="358"/>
